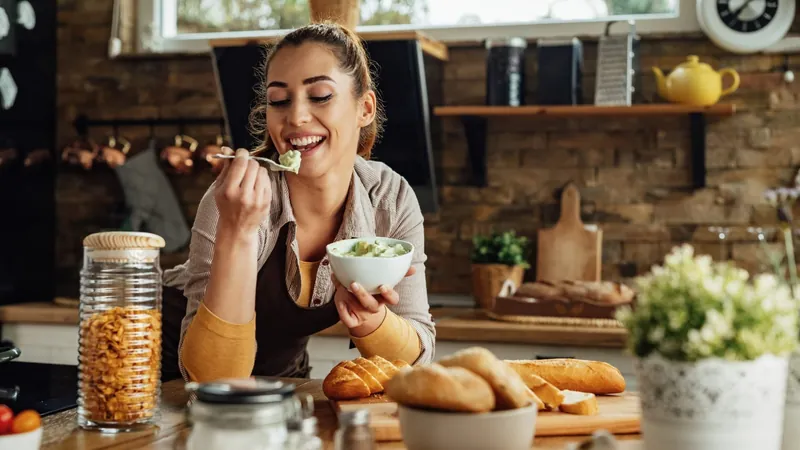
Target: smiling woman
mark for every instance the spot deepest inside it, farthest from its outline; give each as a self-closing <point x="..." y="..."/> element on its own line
<point x="258" y="283"/>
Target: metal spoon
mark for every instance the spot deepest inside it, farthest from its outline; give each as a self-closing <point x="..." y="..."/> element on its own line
<point x="272" y="164"/>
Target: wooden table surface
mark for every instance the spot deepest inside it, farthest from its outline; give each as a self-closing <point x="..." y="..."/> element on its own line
<point x="452" y="324"/>
<point x="61" y="430"/>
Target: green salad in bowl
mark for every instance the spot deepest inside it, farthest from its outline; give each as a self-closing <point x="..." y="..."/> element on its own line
<point x="370" y="262"/>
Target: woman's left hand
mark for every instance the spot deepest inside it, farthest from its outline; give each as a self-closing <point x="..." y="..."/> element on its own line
<point x="361" y="312"/>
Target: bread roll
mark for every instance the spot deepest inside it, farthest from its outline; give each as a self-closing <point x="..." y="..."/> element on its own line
<point x="509" y="388"/>
<point x="581" y="403"/>
<point x="359" y="378"/>
<point x="434" y="386"/>
<point x="596" y="377"/>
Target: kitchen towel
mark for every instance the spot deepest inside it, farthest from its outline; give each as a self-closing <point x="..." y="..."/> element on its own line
<point x="152" y="200"/>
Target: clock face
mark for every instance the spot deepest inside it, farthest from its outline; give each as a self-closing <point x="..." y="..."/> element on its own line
<point x="747" y="16"/>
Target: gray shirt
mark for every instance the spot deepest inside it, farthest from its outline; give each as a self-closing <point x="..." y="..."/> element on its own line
<point x="380" y="203"/>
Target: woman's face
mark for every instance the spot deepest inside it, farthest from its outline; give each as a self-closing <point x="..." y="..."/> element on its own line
<point x="311" y="108"/>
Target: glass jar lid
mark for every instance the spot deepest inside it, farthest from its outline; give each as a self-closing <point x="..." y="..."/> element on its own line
<point x="246" y="391"/>
<point x="123" y="247"/>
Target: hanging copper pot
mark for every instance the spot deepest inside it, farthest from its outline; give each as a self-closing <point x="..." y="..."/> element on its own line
<point x="179" y="157"/>
<point x="221" y="145"/>
<point x="7" y="156"/>
<point x="80" y="153"/>
<point x="113" y="156"/>
<point x="36" y="157"/>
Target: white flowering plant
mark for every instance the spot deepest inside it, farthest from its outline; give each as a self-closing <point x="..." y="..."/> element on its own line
<point x="692" y="308"/>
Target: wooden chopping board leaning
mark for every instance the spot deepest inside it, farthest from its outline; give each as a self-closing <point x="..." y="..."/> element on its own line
<point x="570" y="250"/>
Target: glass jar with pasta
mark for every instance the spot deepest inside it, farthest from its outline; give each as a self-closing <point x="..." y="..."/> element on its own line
<point x="119" y="363"/>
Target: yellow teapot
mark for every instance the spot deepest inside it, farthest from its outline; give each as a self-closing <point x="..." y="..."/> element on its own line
<point x="694" y="83"/>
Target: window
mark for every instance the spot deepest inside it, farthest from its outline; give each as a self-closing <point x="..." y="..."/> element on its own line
<point x="186" y="25"/>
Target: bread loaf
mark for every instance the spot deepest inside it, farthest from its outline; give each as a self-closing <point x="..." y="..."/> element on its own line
<point x="549" y="394"/>
<point x="581" y="403"/>
<point x="509" y="388"/>
<point x="595" y="377"/>
<point x="360" y="377"/>
<point x="434" y="386"/>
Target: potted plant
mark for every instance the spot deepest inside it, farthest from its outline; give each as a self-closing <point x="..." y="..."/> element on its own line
<point x="784" y="200"/>
<point x="712" y="346"/>
<point x="497" y="257"/>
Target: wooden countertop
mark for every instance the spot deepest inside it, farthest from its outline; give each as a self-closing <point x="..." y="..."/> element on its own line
<point x="61" y="430"/>
<point x="452" y="324"/>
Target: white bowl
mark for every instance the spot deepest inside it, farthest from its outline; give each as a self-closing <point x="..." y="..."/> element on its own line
<point x="512" y="429"/>
<point x="369" y="271"/>
<point x="31" y="440"/>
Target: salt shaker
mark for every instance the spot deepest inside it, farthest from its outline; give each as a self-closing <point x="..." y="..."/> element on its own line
<point x="354" y="432"/>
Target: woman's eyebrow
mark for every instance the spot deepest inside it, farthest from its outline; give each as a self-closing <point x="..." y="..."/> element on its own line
<point x="310" y="80"/>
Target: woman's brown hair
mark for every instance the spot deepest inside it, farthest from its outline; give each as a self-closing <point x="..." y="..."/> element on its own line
<point x="353" y="60"/>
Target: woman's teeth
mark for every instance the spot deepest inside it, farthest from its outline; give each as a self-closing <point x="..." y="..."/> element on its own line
<point x="305" y="142"/>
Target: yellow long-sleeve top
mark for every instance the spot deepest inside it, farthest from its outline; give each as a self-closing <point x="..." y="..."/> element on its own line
<point x="209" y="338"/>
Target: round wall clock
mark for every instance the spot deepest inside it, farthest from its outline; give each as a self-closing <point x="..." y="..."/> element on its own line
<point x="745" y="26"/>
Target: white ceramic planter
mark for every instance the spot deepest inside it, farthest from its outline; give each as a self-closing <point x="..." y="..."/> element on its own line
<point x="712" y="404"/>
<point x="791" y="420"/>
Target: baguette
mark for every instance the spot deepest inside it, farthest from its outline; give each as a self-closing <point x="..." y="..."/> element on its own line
<point x="580" y="403"/>
<point x="434" y="386"/>
<point x="359" y="378"/>
<point x="549" y="394"/>
<point x="595" y="377"/>
<point x="508" y="386"/>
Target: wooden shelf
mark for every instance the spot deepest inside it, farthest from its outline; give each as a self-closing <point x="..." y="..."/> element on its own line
<point x="429" y="45"/>
<point x="584" y="110"/>
<point x="475" y="120"/>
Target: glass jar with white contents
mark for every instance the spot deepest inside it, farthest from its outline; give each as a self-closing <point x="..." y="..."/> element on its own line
<point x="245" y="414"/>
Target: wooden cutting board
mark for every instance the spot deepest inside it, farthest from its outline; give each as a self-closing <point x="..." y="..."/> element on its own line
<point x="619" y="414"/>
<point x="569" y="250"/>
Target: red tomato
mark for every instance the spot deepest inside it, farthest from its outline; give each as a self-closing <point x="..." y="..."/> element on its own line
<point x="6" y="417"/>
<point x="25" y="421"/>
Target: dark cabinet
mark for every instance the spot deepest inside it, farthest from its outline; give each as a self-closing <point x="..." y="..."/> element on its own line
<point x="27" y="131"/>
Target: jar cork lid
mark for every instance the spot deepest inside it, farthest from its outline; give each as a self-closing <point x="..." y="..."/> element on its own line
<point x="123" y="240"/>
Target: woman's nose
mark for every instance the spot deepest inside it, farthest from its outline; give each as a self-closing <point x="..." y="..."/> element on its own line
<point x="298" y="114"/>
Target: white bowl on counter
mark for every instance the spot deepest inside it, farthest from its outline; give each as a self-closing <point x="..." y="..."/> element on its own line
<point x="369" y="271"/>
<point x="512" y="429"/>
<point x="32" y="440"/>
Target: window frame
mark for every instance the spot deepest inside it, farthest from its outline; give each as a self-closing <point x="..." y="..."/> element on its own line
<point x="152" y="36"/>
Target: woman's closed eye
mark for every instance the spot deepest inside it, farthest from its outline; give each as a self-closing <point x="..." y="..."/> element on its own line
<point x="315" y="99"/>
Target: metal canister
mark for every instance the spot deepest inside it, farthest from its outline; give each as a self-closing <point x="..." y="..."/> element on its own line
<point x="505" y="71"/>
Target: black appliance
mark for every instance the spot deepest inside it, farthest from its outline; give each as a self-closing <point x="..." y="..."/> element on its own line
<point x="505" y="72"/>
<point x="27" y="153"/>
<point x="46" y="388"/>
<point x="559" y="72"/>
<point x="400" y="78"/>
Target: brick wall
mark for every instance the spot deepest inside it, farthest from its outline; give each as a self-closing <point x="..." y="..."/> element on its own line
<point x="634" y="174"/>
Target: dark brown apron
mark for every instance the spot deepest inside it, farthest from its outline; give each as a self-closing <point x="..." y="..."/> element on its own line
<point x="282" y="327"/>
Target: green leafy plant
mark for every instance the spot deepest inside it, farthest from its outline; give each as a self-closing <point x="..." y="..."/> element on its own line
<point x="500" y="248"/>
<point x="693" y="308"/>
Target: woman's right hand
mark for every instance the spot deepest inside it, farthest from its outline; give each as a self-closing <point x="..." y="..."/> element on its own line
<point x="243" y="194"/>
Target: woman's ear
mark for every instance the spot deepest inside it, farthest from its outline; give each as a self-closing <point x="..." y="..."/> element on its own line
<point x="367" y="108"/>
